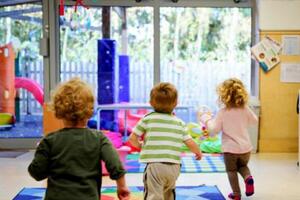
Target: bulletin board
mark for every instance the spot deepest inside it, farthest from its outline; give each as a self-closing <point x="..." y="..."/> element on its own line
<point x="278" y="119"/>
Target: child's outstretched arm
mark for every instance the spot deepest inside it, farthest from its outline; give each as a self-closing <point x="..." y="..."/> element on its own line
<point x="194" y="148"/>
<point x="134" y="140"/>
<point x="114" y="166"/>
<point x="122" y="190"/>
<point x="39" y="166"/>
<point x="137" y="132"/>
<point x="214" y="125"/>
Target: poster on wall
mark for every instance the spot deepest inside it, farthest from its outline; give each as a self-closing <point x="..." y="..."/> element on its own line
<point x="291" y="45"/>
<point x="290" y="72"/>
<point x="266" y="52"/>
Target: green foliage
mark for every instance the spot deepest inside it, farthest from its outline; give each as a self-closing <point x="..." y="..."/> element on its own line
<point x="205" y="33"/>
<point x="199" y="34"/>
<point x="24" y="34"/>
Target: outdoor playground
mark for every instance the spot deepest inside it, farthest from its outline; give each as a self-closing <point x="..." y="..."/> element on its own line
<point x="116" y="123"/>
<point x="11" y="124"/>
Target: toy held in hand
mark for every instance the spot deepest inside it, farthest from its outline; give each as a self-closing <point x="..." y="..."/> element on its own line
<point x="203" y="115"/>
<point x="203" y="110"/>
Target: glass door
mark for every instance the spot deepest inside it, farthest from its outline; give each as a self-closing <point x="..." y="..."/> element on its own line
<point x="112" y="49"/>
<point x="199" y="52"/>
<point x="129" y="38"/>
<point x="21" y="71"/>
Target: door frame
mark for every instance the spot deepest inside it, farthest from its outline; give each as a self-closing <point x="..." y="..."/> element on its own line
<point x="53" y="60"/>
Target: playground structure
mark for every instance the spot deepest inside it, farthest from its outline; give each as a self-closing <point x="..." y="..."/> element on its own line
<point x="131" y="119"/>
<point x="113" y="91"/>
<point x="8" y="85"/>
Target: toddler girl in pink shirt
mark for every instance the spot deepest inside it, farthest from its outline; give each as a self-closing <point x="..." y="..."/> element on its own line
<point x="233" y="120"/>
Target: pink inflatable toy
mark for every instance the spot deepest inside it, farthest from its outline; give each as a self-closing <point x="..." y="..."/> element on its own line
<point x="131" y="118"/>
<point x="123" y="152"/>
<point x="31" y="86"/>
<point x="114" y="137"/>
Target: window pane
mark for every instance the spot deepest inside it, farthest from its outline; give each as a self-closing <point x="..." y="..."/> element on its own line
<point x="120" y="68"/>
<point x="133" y="36"/>
<point x="199" y="52"/>
<point x="22" y="75"/>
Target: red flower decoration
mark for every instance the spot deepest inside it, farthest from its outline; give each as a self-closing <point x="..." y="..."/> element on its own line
<point x="80" y="2"/>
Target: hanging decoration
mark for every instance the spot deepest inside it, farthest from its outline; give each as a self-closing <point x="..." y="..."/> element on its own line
<point x="62" y="6"/>
<point x="80" y="2"/>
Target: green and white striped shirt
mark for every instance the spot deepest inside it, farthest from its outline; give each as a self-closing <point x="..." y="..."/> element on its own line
<point x="164" y="137"/>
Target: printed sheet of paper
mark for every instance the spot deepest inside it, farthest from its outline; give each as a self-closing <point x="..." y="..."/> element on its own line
<point x="266" y="53"/>
<point x="290" y="72"/>
<point x="291" y="45"/>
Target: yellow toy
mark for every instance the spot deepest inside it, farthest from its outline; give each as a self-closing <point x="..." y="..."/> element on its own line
<point x="208" y="142"/>
<point x="199" y="132"/>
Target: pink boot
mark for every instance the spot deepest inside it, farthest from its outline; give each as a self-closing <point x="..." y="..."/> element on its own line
<point x="249" y="182"/>
<point x="234" y="197"/>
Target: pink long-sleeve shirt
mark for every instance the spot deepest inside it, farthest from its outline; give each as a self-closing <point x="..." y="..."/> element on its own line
<point x="233" y="123"/>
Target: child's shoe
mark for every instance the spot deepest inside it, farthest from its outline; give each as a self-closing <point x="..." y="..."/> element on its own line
<point x="234" y="197"/>
<point x="249" y="182"/>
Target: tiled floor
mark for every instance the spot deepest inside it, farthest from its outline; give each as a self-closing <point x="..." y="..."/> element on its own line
<point x="277" y="177"/>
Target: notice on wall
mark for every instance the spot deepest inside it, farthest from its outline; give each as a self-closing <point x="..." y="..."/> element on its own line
<point x="290" y="72"/>
<point x="291" y="45"/>
<point x="266" y="52"/>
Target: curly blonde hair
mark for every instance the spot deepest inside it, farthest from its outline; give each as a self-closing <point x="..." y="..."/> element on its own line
<point x="73" y="101"/>
<point x="232" y="93"/>
<point x="163" y="97"/>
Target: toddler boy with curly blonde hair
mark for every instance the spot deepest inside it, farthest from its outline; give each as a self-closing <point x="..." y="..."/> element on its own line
<point x="71" y="157"/>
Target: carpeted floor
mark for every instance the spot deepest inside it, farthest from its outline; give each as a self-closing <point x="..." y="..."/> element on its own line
<point x="201" y="192"/>
<point x="209" y="163"/>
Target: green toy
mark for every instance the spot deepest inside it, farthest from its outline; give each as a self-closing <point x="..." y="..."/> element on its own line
<point x="200" y="132"/>
<point x="208" y="143"/>
<point x="6" y="120"/>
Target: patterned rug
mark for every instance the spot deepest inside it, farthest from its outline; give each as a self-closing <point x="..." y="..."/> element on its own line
<point x="208" y="163"/>
<point x="201" y="192"/>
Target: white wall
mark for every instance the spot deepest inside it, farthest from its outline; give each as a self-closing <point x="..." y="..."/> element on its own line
<point x="279" y="14"/>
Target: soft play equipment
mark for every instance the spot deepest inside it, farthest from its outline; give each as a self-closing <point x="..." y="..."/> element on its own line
<point x="116" y="140"/>
<point x="92" y="122"/>
<point x="123" y="152"/>
<point x="131" y="119"/>
<point x="50" y="122"/>
<point x="7" y="78"/>
<point x="113" y="81"/>
<point x="7" y="120"/>
<point x="123" y="78"/>
<point x="30" y="85"/>
<point x="114" y="137"/>
<point x="9" y="83"/>
<point x="107" y="77"/>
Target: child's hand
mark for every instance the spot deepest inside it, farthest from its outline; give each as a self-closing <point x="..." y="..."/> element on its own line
<point x="141" y="143"/>
<point x="198" y="156"/>
<point x="123" y="193"/>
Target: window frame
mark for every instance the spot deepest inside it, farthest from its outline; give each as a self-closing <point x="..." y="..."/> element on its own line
<point x="51" y="32"/>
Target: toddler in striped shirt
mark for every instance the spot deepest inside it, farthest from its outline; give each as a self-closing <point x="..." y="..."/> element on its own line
<point x="164" y="134"/>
